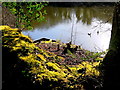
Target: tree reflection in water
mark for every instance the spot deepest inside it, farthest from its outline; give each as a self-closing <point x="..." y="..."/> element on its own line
<point x="60" y="21"/>
<point x="56" y="15"/>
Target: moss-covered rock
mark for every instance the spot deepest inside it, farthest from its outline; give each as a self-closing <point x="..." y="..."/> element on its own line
<point x="28" y="66"/>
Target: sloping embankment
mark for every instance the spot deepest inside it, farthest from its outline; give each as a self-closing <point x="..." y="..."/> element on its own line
<point x="27" y="66"/>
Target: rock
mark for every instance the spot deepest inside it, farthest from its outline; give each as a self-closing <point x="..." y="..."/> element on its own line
<point x="43" y="39"/>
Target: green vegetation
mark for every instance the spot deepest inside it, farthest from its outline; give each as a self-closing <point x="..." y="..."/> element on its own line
<point x="29" y="63"/>
<point x="26" y="12"/>
<point x="27" y="66"/>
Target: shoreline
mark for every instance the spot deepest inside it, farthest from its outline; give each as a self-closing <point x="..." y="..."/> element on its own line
<point x="72" y="54"/>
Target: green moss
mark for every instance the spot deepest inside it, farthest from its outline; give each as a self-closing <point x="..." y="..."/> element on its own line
<point x="54" y="66"/>
<point x="38" y="66"/>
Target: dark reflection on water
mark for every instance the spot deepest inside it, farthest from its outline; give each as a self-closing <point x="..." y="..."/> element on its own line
<point x="90" y="26"/>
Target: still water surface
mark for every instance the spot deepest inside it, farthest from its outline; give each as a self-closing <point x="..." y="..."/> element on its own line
<point x="89" y="27"/>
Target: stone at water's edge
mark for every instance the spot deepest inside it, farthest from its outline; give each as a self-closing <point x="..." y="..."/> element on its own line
<point x="43" y="39"/>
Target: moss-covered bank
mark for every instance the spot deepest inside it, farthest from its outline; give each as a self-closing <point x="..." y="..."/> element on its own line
<point x="27" y="66"/>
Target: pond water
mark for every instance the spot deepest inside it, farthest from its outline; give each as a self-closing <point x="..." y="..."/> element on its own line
<point x="89" y="27"/>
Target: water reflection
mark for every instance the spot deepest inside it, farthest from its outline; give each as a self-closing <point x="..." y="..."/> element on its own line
<point x="87" y="24"/>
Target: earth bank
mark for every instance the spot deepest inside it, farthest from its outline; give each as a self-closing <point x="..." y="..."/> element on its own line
<point x="40" y="66"/>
